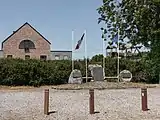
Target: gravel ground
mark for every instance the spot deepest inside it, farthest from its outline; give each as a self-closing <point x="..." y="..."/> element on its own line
<point x="112" y="104"/>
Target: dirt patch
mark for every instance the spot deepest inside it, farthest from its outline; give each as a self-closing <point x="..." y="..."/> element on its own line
<point x="15" y="87"/>
<point x="103" y="85"/>
<point x="89" y="85"/>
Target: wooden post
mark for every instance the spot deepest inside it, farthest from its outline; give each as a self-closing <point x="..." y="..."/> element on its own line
<point x="46" y="101"/>
<point x="144" y="99"/>
<point x="91" y="101"/>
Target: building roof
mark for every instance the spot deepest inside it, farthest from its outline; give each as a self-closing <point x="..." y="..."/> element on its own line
<point x="20" y="28"/>
<point x="61" y="51"/>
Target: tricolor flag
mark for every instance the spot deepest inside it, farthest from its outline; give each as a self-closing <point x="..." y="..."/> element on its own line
<point x="115" y="39"/>
<point x="79" y="42"/>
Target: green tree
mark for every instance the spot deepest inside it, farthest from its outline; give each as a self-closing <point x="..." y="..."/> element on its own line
<point x="97" y="58"/>
<point x="139" y="20"/>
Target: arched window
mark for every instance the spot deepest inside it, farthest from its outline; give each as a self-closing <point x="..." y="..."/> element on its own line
<point x="26" y="44"/>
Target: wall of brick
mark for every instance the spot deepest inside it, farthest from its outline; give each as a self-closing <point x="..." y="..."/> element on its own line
<point x="11" y="46"/>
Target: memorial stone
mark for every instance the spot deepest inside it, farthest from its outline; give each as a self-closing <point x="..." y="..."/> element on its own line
<point x="97" y="72"/>
<point x="75" y="77"/>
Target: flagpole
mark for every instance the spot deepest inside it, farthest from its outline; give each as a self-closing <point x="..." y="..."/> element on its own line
<point x="104" y="50"/>
<point x="72" y="50"/>
<point x="118" y="57"/>
<point x="103" y="58"/>
<point x="86" y="57"/>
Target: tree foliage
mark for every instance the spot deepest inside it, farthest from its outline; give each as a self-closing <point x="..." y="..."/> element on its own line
<point x="139" y="20"/>
<point x="97" y="58"/>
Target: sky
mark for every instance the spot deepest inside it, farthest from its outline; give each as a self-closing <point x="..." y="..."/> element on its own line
<point x="55" y="20"/>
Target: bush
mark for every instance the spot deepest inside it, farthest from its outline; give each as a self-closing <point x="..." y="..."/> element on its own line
<point x="137" y="68"/>
<point x="33" y="72"/>
<point x="37" y="73"/>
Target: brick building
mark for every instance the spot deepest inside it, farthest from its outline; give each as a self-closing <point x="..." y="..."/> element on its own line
<point x="27" y="43"/>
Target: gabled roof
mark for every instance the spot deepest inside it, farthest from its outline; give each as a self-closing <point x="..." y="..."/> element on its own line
<point x="20" y="28"/>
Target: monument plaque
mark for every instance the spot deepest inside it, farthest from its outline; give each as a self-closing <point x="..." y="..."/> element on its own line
<point x="125" y="76"/>
<point x="75" y="77"/>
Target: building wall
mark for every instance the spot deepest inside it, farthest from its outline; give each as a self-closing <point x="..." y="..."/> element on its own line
<point x="11" y="46"/>
<point x="1" y="54"/>
<point x="53" y="55"/>
<point x="61" y="55"/>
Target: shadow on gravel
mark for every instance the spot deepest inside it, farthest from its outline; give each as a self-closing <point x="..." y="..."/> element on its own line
<point x="52" y="112"/>
<point x="96" y="112"/>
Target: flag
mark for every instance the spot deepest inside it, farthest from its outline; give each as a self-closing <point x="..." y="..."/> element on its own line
<point x="79" y="42"/>
<point x="115" y="39"/>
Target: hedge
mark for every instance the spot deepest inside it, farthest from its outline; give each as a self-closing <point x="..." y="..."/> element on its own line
<point x="33" y="72"/>
<point x="37" y="73"/>
<point x="137" y="68"/>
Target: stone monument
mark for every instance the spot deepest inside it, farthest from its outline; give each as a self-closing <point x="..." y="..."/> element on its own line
<point x="125" y="76"/>
<point x="75" y="77"/>
<point x="96" y="72"/>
